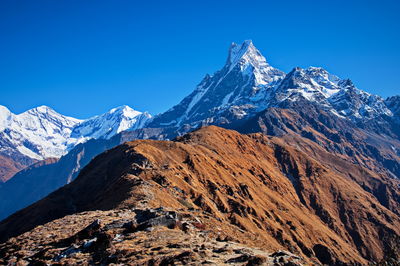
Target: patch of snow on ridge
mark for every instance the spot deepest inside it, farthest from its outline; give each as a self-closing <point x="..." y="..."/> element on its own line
<point x="200" y="91"/>
<point x="328" y="82"/>
<point x="226" y="99"/>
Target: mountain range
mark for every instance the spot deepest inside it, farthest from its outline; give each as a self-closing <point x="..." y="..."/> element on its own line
<point x="334" y="148"/>
<point x="247" y="84"/>
<point x="213" y="185"/>
<point x="42" y="133"/>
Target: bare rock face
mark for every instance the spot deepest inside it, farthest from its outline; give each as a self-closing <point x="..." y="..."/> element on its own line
<point x="272" y="193"/>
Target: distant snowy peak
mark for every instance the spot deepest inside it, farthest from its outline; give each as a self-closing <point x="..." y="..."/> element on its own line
<point x="247" y="84"/>
<point x="37" y="133"/>
<point x="314" y="84"/>
<point x="251" y="62"/>
<point x="109" y="124"/>
<point x="240" y="86"/>
<point x="329" y="83"/>
<point x="35" y="117"/>
<point x="298" y="83"/>
<point x="245" y="53"/>
<point x="41" y="132"/>
<point x="44" y="114"/>
<point x="357" y="104"/>
<point x="340" y="96"/>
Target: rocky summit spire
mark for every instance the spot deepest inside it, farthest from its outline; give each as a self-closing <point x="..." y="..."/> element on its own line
<point x="241" y="84"/>
<point x="245" y="53"/>
<point x="248" y="59"/>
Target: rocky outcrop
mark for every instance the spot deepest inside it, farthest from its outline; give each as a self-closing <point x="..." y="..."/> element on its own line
<point x="105" y="237"/>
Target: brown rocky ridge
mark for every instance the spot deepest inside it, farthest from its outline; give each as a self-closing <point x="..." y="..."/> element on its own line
<point x="10" y="166"/>
<point x="259" y="193"/>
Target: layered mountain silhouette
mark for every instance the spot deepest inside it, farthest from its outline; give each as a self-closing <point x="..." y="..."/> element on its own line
<point x="310" y="164"/>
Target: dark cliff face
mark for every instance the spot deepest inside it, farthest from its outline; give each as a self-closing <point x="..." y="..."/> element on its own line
<point x="393" y="103"/>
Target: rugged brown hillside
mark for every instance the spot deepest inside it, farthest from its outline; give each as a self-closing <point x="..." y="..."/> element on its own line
<point x="35" y="183"/>
<point x="358" y="144"/>
<point x="10" y="166"/>
<point x="293" y="197"/>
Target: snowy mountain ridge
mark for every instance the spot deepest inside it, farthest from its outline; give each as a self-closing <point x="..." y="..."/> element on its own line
<point x="109" y="124"/>
<point x="245" y="85"/>
<point x="41" y="132"/>
<point x="248" y="84"/>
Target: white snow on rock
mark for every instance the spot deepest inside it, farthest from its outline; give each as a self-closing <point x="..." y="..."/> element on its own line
<point x="251" y="62"/>
<point x="41" y="132"/>
<point x="109" y="124"/>
<point x="248" y="84"/>
<point x="5" y="117"/>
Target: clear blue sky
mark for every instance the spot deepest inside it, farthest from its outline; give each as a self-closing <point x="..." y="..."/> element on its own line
<point x="85" y="57"/>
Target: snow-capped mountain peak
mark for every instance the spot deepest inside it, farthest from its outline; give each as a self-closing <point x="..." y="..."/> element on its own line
<point x="125" y="110"/>
<point x="41" y="132"/>
<point x="238" y="88"/>
<point x="354" y="103"/>
<point x="44" y="112"/>
<point x="339" y="96"/>
<point x="245" y="53"/>
<point x="250" y="61"/>
<point x="308" y="83"/>
<point x="247" y="84"/>
<point x="41" y="109"/>
<point x="37" y="133"/>
<point x="328" y="82"/>
<point x="108" y="124"/>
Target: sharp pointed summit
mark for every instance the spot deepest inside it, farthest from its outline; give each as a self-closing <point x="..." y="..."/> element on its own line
<point x="248" y="84"/>
<point x="244" y="51"/>
<point x="249" y="60"/>
<point x="235" y="91"/>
